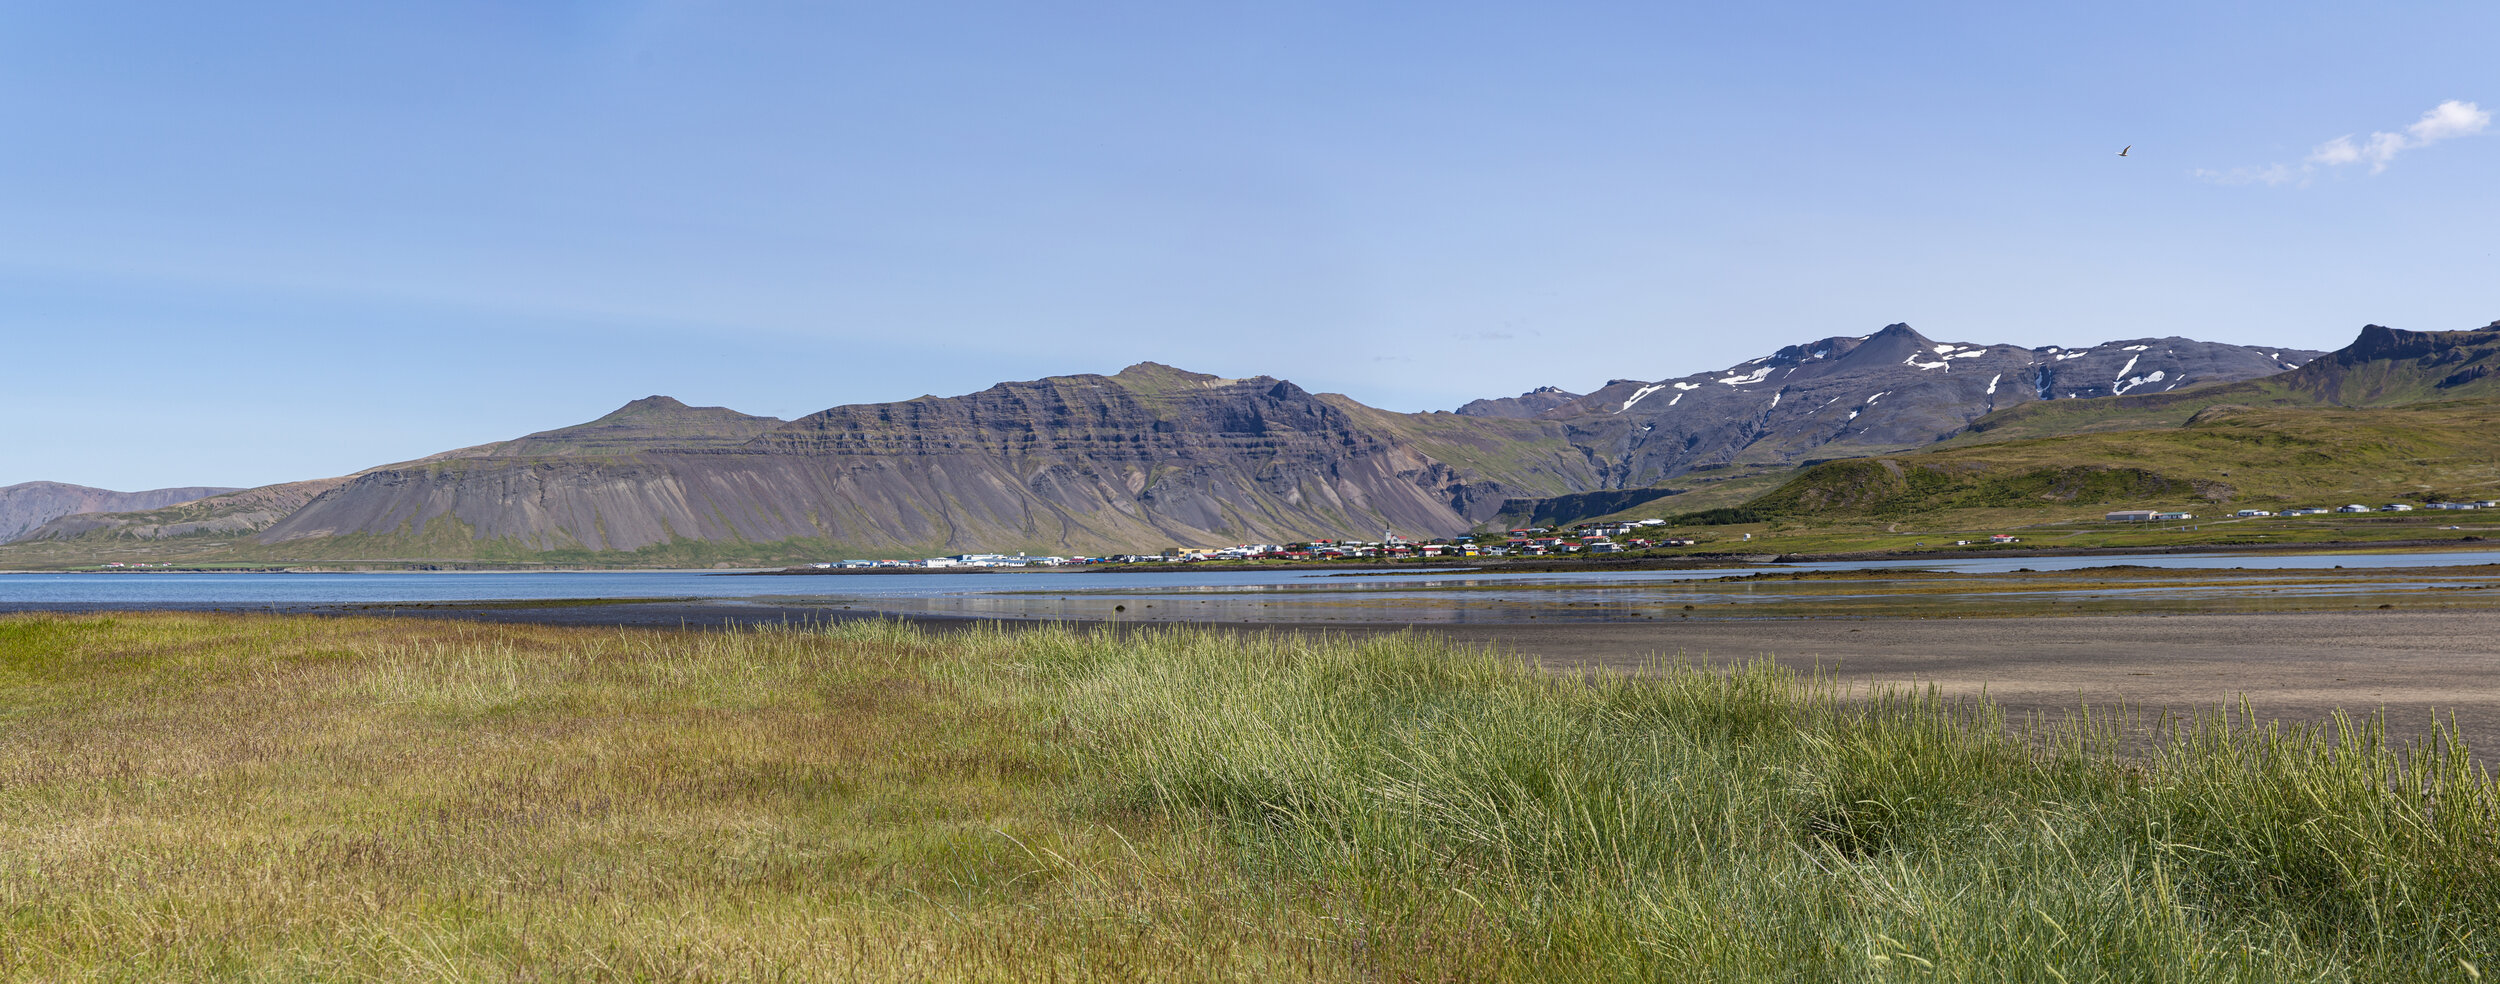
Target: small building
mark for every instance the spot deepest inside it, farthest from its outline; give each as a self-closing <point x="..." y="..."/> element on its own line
<point x="2353" y="508"/>
<point x="2247" y="513"/>
<point x="2173" y="516"/>
<point x="2395" y="507"/>
<point x="2004" y="538"/>
<point x="2450" y="505"/>
<point x="2131" y="516"/>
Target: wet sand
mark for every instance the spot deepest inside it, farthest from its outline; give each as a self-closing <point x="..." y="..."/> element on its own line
<point x="2289" y="666"/>
<point x="2298" y="667"/>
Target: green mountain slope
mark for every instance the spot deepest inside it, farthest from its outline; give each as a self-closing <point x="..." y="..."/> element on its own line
<point x="2383" y="367"/>
<point x="2243" y="456"/>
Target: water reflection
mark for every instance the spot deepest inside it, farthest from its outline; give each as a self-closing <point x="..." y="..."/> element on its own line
<point x="1961" y="586"/>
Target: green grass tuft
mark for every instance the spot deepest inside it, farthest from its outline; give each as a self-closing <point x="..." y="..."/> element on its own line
<point x="273" y="798"/>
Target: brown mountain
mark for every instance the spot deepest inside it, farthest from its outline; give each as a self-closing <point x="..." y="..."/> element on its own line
<point x="647" y="423"/>
<point x="231" y="512"/>
<point x="28" y="505"/>
<point x="653" y="423"/>
<point x="1150" y="456"/>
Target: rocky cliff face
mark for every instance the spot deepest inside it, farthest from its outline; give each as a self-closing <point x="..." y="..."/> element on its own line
<point x="1151" y="456"/>
<point x="2390" y="365"/>
<point x="1890" y="390"/>
<point x="1154" y="456"/>
<point x="29" y="505"/>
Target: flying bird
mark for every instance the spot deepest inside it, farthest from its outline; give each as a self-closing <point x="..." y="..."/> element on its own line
<point x="2122" y="151"/>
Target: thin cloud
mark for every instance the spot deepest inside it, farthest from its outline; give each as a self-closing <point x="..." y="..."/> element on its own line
<point x="2454" y="118"/>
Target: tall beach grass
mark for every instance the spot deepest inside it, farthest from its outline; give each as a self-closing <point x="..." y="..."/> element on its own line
<point x="273" y="798"/>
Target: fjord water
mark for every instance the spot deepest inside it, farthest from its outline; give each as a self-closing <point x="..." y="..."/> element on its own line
<point x="1011" y="592"/>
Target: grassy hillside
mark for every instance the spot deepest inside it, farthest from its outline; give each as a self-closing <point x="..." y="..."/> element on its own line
<point x="263" y="798"/>
<point x="1708" y="489"/>
<point x="2054" y="491"/>
<point x="1525" y="457"/>
<point x="2266" y="457"/>
<point x="2384" y="367"/>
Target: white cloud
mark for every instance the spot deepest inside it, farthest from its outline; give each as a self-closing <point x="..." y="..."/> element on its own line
<point x="2454" y="118"/>
<point x="2337" y="151"/>
<point x="2450" y="119"/>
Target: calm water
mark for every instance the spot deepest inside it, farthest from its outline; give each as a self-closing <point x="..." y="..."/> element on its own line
<point x="386" y="588"/>
<point x="1019" y="592"/>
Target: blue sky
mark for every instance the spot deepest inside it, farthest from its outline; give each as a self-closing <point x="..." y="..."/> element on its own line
<point x="249" y="243"/>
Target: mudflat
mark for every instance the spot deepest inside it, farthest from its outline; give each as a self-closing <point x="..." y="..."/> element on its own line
<point x="2291" y="666"/>
<point x="2298" y="666"/>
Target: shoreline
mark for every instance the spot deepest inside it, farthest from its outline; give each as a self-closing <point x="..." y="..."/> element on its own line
<point x="1559" y="565"/>
<point x="2306" y="667"/>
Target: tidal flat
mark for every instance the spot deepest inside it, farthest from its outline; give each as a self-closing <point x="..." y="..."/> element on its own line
<point x="195" y="796"/>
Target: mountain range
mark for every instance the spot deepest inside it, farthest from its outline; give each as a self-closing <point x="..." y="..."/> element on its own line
<point x="1148" y="457"/>
<point x="2397" y="415"/>
<point x="28" y="505"/>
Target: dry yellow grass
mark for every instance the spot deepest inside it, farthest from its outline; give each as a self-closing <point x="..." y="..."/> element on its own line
<point x="202" y="797"/>
<point x="197" y="797"/>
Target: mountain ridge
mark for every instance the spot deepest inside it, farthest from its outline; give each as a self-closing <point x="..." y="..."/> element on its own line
<point x="27" y="506"/>
<point x="1149" y="456"/>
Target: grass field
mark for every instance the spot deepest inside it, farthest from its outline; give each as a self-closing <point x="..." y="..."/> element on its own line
<point x="274" y="798"/>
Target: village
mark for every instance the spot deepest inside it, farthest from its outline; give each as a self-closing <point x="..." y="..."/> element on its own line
<point x="1591" y="538"/>
<point x="2154" y="516"/>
